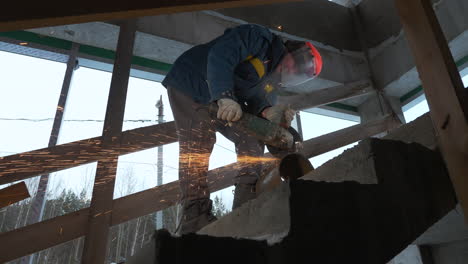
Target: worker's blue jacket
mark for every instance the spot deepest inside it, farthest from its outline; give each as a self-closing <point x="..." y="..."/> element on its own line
<point x="235" y="65"/>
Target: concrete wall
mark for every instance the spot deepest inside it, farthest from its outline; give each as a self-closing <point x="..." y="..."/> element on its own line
<point x="410" y="255"/>
<point x="322" y="21"/>
<point x="380" y="20"/>
<point x="391" y="59"/>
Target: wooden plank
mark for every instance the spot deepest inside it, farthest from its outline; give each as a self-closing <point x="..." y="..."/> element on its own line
<point x="47" y="160"/>
<point x="12" y="194"/>
<point x="33" y="238"/>
<point x="327" y="95"/>
<point x="46" y="13"/>
<point x="343" y="137"/>
<point x="157" y="198"/>
<point x="161" y="197"/>
<point x="445" y="94"/>
<point x="64" y="228"/>
<point x="95" y="245"/>
<point x="30" y="164"/>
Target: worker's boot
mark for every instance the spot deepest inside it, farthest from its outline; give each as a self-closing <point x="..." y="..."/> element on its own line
<point x="193" y="215"/>
<point x="242" y="194"/>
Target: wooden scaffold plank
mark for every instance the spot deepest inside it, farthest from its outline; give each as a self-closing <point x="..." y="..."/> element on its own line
<point x="59" y="230"/>
<point x="12" y="194"/>
<point x="444" y="90"/>
<point x="95" y="246"/>
<point x="47" y="160"/>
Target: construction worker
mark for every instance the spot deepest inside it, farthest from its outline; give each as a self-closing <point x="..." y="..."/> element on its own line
<point x="239" y="71"/>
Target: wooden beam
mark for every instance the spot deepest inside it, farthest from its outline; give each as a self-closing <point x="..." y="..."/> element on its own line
<point x="445" y="94"/>
<point x="46" y="13"/>
<point x="13" y="194"/>
<point x="160" y="197"/>
<point x="30" y="164"/>
<point x="346" y="136"/>
<point x="67" y="227"/>
<point x="95" y="245"/>
<point x="327" y="95"/>
<point x="164" y="196"/>
<point x="45" y="234"/>
<point x="47" y="160"/>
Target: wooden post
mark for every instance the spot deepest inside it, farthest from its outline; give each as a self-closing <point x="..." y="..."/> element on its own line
<point x="446" y="96"/>
<point x="95" y="246"/>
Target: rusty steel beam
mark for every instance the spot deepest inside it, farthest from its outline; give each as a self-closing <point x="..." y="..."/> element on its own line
<point x="13" y="194"/>
<point x="443" y="87"/>
<point x="47" y="160"/>
<point x="46" y="13"/>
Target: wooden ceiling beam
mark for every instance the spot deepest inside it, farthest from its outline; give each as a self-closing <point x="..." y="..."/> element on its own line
<point x="37" y="14"/>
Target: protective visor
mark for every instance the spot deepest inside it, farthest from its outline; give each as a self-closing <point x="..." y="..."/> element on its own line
<point x="300" y="66"/>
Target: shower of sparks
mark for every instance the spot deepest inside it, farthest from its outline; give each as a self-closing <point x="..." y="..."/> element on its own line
<point x="255" y="160"/>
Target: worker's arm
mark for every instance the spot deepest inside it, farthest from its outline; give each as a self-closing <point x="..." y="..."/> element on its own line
<point x="256" y="104"/>
<point x="231" y="49"/>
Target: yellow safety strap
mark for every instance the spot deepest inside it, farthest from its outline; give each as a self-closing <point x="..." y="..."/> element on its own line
<point x="257" y="64"/>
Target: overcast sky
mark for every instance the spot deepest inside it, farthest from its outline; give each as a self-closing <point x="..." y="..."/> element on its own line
<point x="30" y="87"/>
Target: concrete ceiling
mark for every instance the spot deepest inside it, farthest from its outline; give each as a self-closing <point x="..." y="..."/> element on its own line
<point x="321" y="21"/>
<point x="327" y="24"/>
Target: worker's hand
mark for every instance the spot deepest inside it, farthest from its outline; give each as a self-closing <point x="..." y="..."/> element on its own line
<point x="279" y="114"/>
<point x="229" y="110"/>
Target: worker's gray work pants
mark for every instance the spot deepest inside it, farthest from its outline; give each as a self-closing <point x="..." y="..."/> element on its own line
<point x="196" y="131"/>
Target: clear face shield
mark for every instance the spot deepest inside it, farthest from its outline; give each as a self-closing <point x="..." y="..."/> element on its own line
<point x="299" y="66"/>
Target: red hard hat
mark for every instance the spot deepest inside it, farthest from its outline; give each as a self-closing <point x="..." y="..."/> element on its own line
<point x="317" y="59"/>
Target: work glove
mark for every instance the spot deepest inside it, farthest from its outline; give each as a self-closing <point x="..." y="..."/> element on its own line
<point x="280" y="114"/>
<point x="229" y="110"/>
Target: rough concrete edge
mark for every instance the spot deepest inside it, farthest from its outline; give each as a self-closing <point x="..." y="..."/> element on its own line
<point x="251" y="218"/>
<point x="419" y="131"/>
<point x="349" y="166"/>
